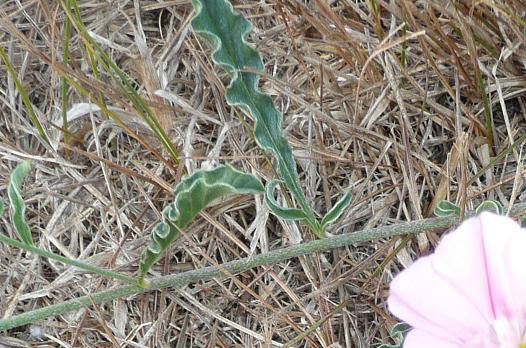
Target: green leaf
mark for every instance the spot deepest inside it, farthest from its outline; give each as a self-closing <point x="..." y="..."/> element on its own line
<point x="1" y="207"/>
<point x="398" y="333"/>
<point x="491" y="206"/>
<point x="446" y="208"/>
<point x="12" y="70"/>
<point x="282" y="212"/>
<point x="193" y="194"/>
<point x="400" y="330"/>
<point x="337" y="209"/>
<point x="523" y="222"/>
<point x="226" y="31"/>
<point x="17" y="205"/>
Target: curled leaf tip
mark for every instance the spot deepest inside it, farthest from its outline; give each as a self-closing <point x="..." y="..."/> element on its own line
<point x="337" y="210"/>
<point x="282" y="212"/>
<point x="193" y="194"/>
<point x="16" y="201"/>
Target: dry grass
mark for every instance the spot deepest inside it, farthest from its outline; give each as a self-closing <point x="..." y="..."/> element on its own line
<point x="392" y="97"/>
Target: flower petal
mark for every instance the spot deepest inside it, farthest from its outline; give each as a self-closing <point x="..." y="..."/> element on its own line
<point x="475" y="276"/>
<point x="505" y="247"/>
<point x="426" y="301"/>
<point x="460" y="260"/>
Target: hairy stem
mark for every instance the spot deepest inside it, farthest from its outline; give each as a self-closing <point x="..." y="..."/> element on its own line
<point x="229" y="268"/>
<point x="68" y="261"/>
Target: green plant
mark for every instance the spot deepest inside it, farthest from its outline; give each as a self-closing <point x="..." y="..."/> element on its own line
<point x="192" y="195"/>
<point x="227" y="269"/>
<point x="226" y="30"/>
<point x="25" y="98"/>
<point x="18" y="208"/>
<point x="223" y="179"/>
<point x="16" y="201"/>
<point x="446" y="208"/>
<point x="398" y="333"/>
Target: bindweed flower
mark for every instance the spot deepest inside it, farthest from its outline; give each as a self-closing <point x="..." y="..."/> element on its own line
<point x="471" y="292"/>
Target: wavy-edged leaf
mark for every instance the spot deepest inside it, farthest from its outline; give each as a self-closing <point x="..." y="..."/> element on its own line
<point x="193" y="194"/>
<point x="337" y="209"/>
<point x="446" y="208"/>
<point x="16" y="202"/>
<point x="282" y="212"/>
<point x="226" y="31"/>
<point x="491" y="206"/>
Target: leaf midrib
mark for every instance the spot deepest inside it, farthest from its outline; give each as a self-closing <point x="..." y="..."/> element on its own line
<point x="253" y="107"/>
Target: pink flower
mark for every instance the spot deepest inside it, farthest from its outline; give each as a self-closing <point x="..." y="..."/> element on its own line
<point x="471" y="292"/>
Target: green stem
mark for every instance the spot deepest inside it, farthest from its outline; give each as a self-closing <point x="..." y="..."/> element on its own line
<point x="226" y="269"/>
<point x="78" y="264"/>
<point x="237" y="266"/>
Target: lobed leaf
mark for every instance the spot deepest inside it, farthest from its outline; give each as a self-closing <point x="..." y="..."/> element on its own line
<point x="193" y="194"/>
<point x="446" y="208"/>
<point x="490" y="205"/>
<point x="226" y="31"/>
<point x="16" y="202"/>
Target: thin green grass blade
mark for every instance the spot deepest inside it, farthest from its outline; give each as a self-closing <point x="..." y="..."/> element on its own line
<point x="193" y="194"/>
<point x="337" y="209"/>
<point x="97" y="56"/>
<point x="64" y="82"/>
<point x="23" y="94"/>
<point x="16" y="201"/>
<point x="226" y="31"/>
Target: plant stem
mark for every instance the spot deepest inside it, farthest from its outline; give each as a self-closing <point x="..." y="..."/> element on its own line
<point x="68" y="261"/>
<point x="229" y="268"/>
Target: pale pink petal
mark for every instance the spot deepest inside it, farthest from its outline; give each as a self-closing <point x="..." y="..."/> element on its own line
<point x="460" y="260"/>
<point x="424" y="300"/>
<point x="516" y="266"/>
<point x="421" y="339"/>
<point x="471" y="293"/>
<point x="505" y="247"/>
